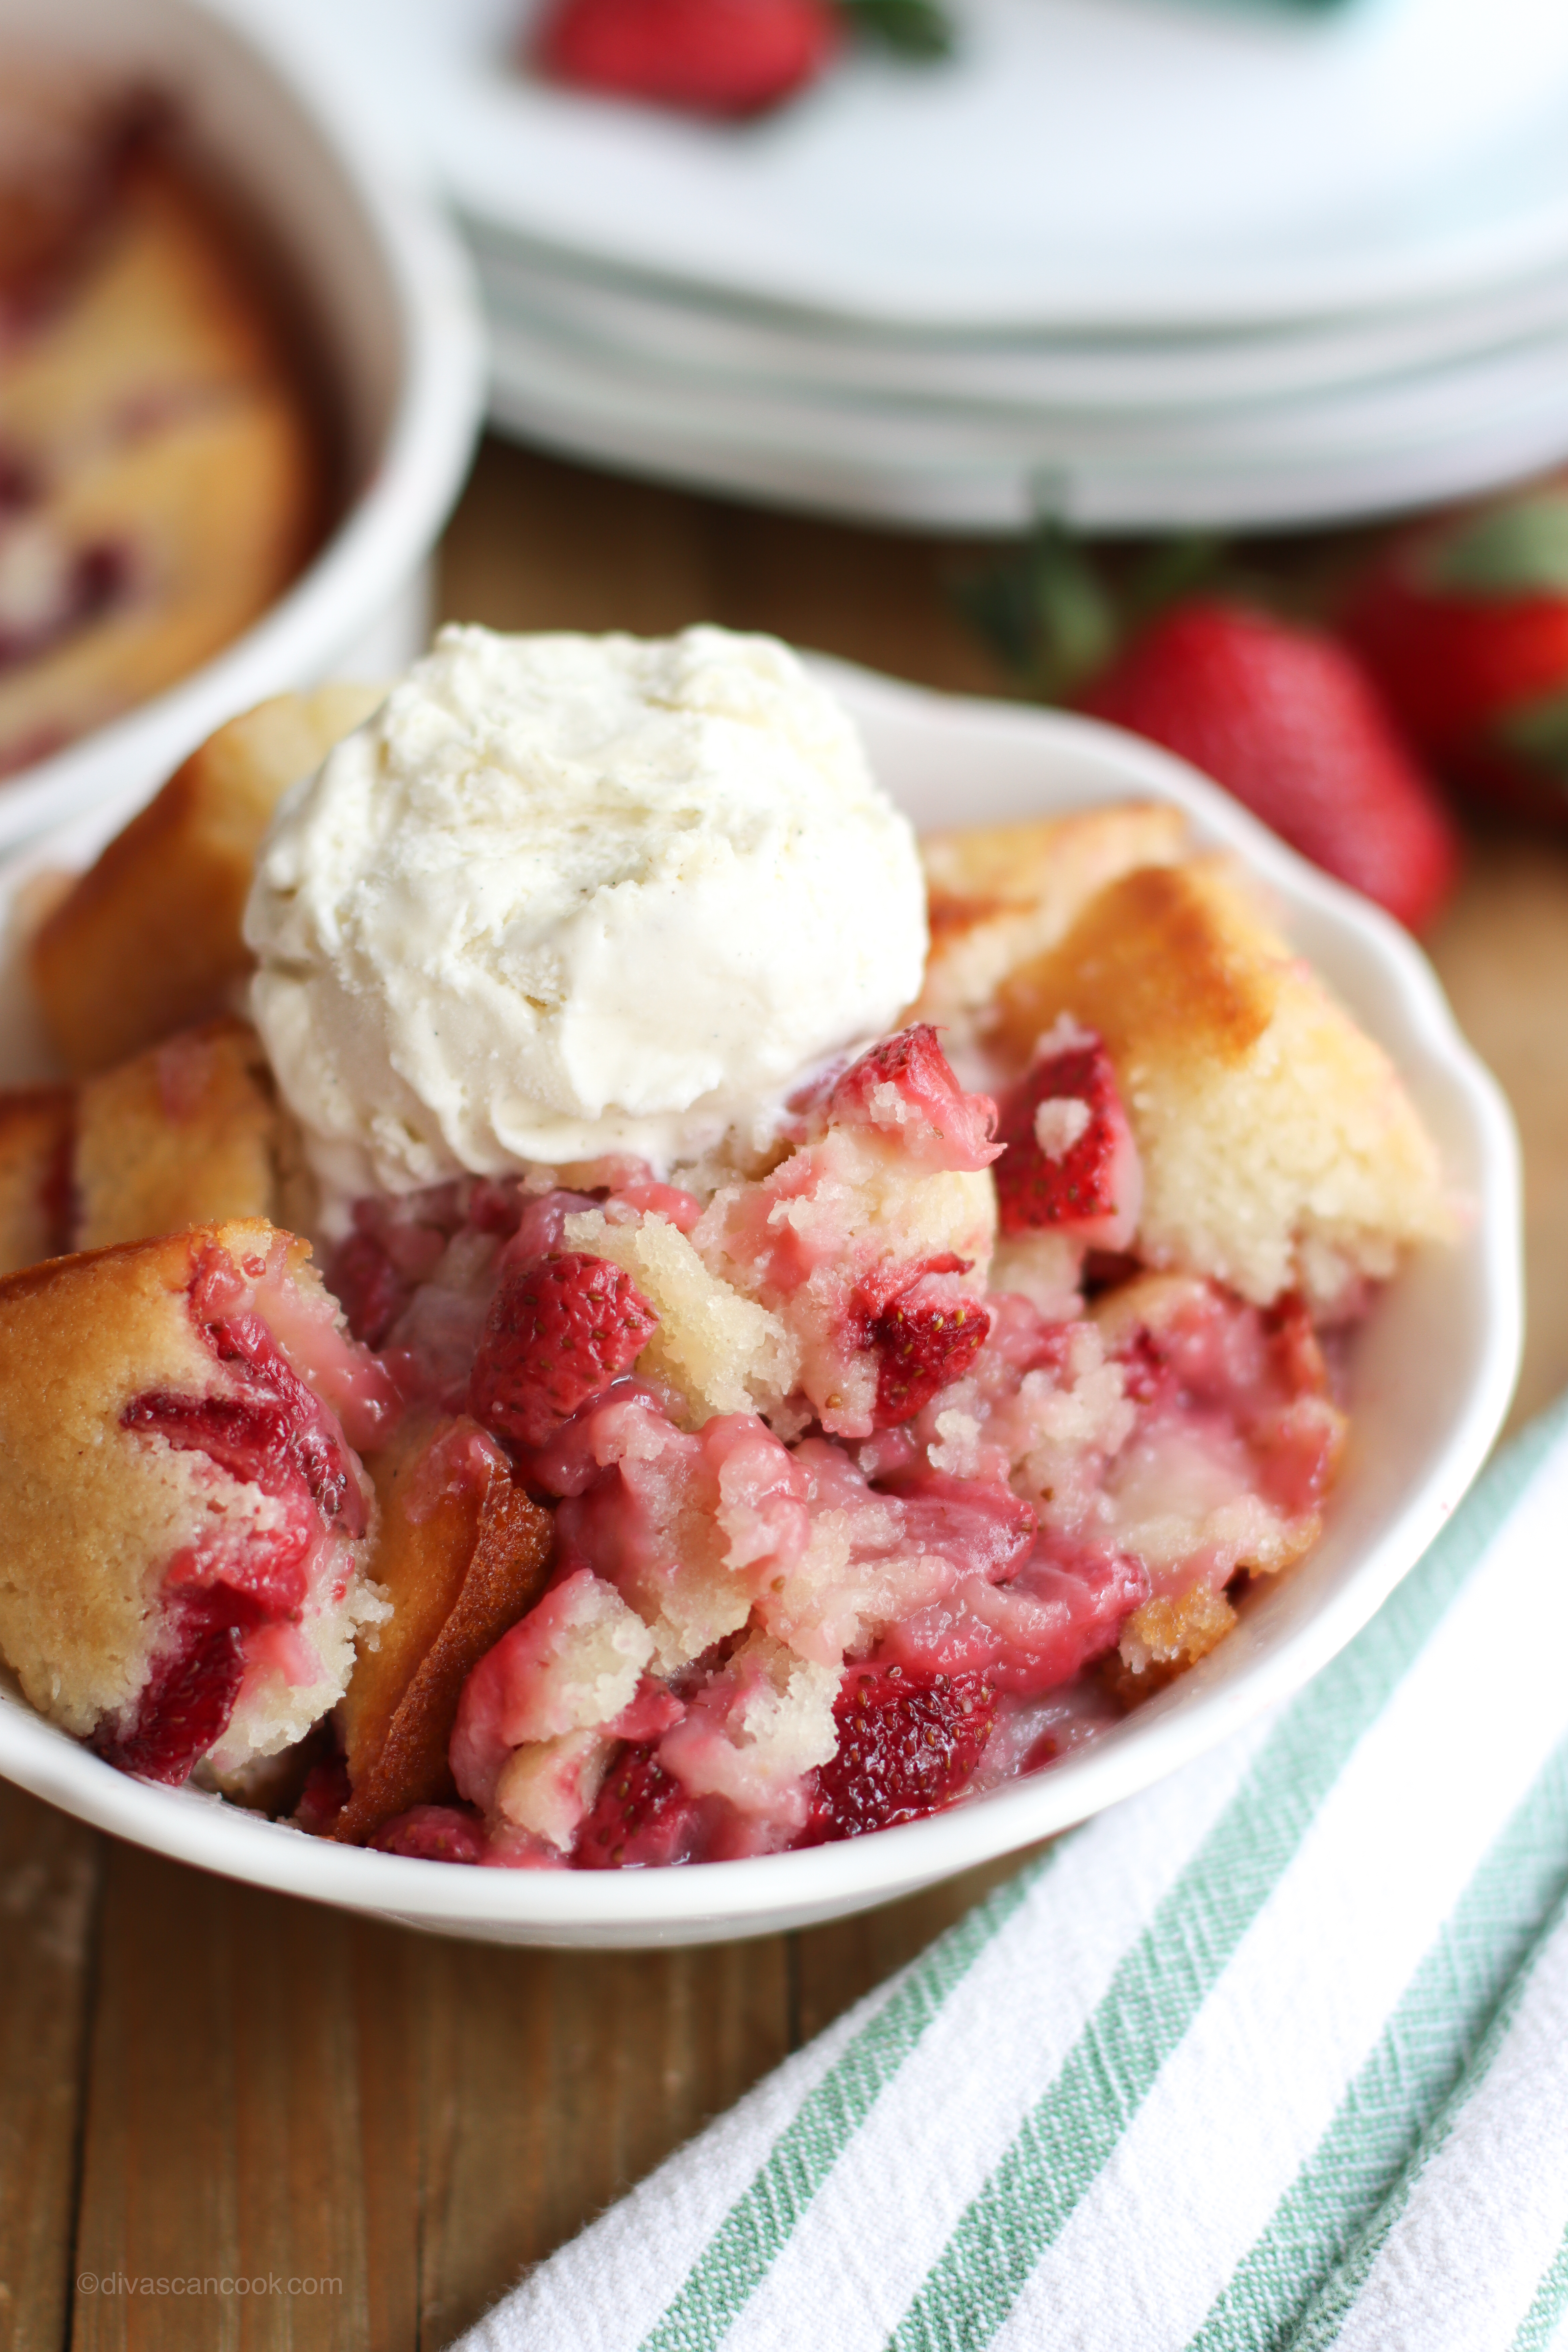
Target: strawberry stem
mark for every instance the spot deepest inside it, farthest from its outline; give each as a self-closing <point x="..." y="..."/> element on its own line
<point x="912" y="28"/>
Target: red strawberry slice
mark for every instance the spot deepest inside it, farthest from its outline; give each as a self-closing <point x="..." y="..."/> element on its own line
<point x="367" y="1286"/>
<point x="1070" y="1161"/>
<point x="926" y="1337"/>
<point x="717" y="56"/>
<point x="905" y="1086"/>
<point x="323" y="1796"/>
<point x="1290" y="722"/>
<point x="643" y="1816"/>
<point x="559" y="1331"/>
<point x="433" y="1833"/>
<point x="1465" y="627"/>
<point x="187" y="1701"/>
<point x="906" y="1743"/>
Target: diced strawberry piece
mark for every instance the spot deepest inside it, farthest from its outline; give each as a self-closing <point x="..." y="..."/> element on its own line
<point x="1297" y="1449"/>
<point x="432" y="1834"/>
<point x="904" y="1087"/>
<point x="719" y="57"/>
<point x="277" y="1435"/>
<point x="250" y="1438"/>
<point x="540" y="1231"/>
<point x="186" y="1704"/>
<point x="494" y="1208"/>
<point x="643" y="1816"/>
<point x="558" y="1332"/>
<point x="905" y="1744"/>
<point x="1069" y="1159"/>
<point x="1289" y="721"/>
<point x="324" y="1795"/>
<point x="367" y="1286"/>
<point x="926" y="1337"/>
<point x="679" y="1208"/>
<point x="1064" y="1605"/>
<point x="984" y="1529"/>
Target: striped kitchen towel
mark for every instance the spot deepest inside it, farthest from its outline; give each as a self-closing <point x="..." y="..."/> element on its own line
<point x="1275" y="2054"/>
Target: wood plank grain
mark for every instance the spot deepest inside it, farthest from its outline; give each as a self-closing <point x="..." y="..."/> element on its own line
<point x="538" y="543"/>
<point x="554" y="2079"/>
<point x="224" y="2136"/>
<point x="1501" y="952"/>
<point x="49" y="1869"/>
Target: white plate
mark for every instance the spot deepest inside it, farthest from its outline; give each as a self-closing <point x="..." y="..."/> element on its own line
<point x="390" y="288"/>
<point x="1086" y="161"/>
<point x="626" y="319"/>
<point x="1443" y="433"/>
<point x="1432" y="1376"/>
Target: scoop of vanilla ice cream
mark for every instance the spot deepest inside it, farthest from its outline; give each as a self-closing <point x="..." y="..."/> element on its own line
<point x="566" y="896"/>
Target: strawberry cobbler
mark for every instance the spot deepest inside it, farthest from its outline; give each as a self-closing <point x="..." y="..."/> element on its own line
<point x="841" y="1532"/>
<point x="822" y="1327"/>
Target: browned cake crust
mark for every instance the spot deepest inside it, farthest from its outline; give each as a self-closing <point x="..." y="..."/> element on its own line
<point x="189" y="1134"/>
<point x="185" y="1135"/>
<point x="168" y="457"/>
<point x="1278" y="1146"/>
<point x="461" y="1558"/>
<point x="1000" y="894"/>
<point x="148" y="941"/>
<point x="36" y="1213"/>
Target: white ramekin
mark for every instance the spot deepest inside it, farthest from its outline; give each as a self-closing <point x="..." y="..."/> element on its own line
<point x="1432" y="1374"/>
<point x="388" y="289"/>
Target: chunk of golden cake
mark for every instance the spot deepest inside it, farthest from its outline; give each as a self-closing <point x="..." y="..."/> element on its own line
<point x="1000" y="893"/>
<point x="35" y="1175"/>
<point x="184" y="1522"/>
<point x="188" y="1134"/>
<point x="461" y="1553"/>
<point x="149" y="938"/>
<point x="1280" y="1149"/>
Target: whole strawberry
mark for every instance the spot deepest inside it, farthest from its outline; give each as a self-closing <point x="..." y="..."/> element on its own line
<point x="716" y="57"/>
<point x="1465" y="627"/>
<point x="558" y="1331"/>
<point x="1289" y="721"/>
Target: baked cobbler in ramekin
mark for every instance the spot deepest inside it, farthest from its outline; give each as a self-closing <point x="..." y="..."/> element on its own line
<point x="698" y="1492"/>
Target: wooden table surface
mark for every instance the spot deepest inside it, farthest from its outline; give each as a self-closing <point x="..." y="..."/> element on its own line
<point x="376" y="2129"/>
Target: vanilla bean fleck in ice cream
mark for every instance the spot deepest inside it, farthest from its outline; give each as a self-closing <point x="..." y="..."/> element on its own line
<point x="567" y="896"/>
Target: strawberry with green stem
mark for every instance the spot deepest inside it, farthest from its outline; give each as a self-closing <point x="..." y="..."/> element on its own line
<point x="1465" y="625"/>
<point x="724" y="57"/>
<point x="1283" y="715"/>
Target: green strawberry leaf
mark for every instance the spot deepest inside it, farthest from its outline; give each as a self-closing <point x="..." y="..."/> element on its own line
<point x="1538" y="731"/>
<point x="1520" y="549"/>
<point x="1046" y="612"/>
<point x="914" y="28"/>
<point x="1055" y="613"/>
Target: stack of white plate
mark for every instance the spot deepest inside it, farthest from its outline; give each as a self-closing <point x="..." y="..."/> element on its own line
<point x="1131" y="263"/>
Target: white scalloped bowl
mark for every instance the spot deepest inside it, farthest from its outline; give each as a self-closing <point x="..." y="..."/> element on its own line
<point x="1432" y="1375"/>
<point x="388" y="291"/>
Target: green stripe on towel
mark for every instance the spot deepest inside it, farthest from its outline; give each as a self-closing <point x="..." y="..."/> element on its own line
<point x="1440" y="2018"/>
<point x="1169" y="1972"/>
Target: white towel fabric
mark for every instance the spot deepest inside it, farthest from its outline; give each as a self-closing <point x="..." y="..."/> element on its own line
<point x="1274" y="2056"/>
